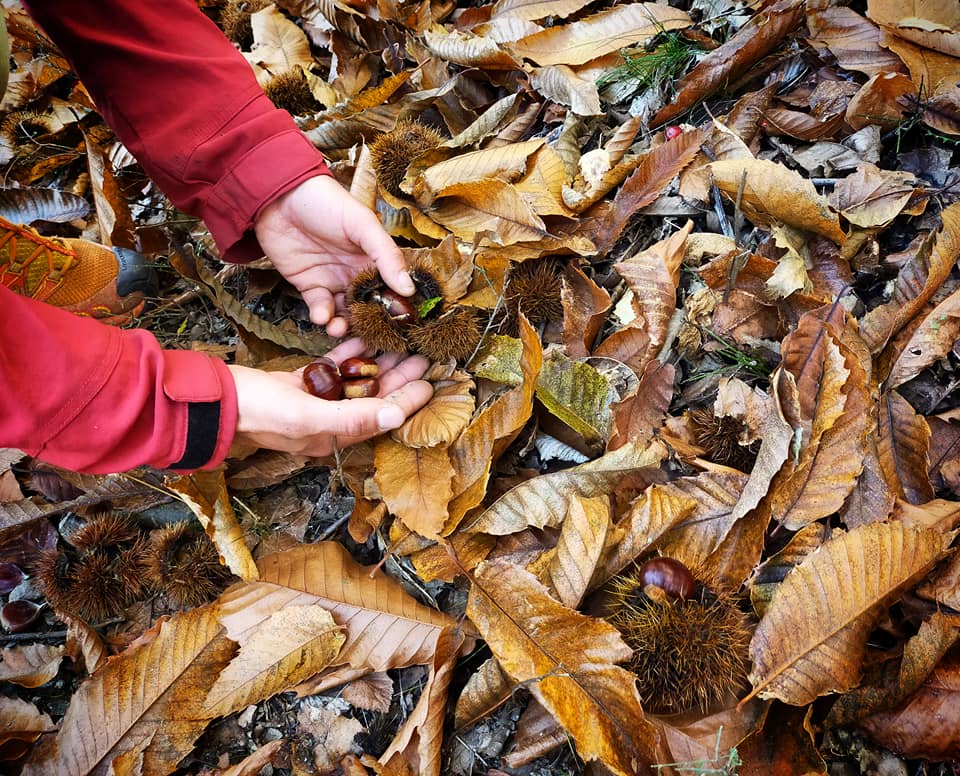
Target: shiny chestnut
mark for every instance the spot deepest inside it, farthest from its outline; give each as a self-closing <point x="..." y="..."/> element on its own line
<point x="321" y="378"/>
<point x="17" y="616"/>
<point x="399" y="308"/>
<point x="669" y="576"/>
<point x="352" y="368"/>
<point x="361" y="388"/>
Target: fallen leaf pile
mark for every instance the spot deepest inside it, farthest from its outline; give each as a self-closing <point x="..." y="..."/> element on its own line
<point x="711" y="248"/>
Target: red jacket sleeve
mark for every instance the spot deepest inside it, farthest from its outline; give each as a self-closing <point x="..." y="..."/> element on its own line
<point x="185" y="102"/>
<point x="95" y="398"/>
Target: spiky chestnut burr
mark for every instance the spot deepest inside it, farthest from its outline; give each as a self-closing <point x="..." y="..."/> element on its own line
<point x="533" y="288"/>
<point x="454" y="334"/>
<point x="185" y="565"/>
<point x="720" y="439"/>
<point x="291" y="92"/>
<point x="392" y="152"/>
<point x="100" y="574"/>
<point x="689" y="652"/>
<point x="235" y="20"/>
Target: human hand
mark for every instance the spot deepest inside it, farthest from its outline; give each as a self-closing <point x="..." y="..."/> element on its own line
<point x="318" y="236"/>
<point x="276" y="413"/>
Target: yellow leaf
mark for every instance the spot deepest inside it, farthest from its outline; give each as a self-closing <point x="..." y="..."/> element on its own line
<point x="491" y="206"/>
<point x="599" y="34"/>
<point x="578" y="549"/>
<point x="205" y="492"/>
<point x="279" y="44"/>
<point x="505" y="163"/>
<point x="290" y="646"/>
<point x="568" y="660"/>
<point x="385" y="627"/>
<point x="443" y="418"/>
<point x="144" y="703"/>
<point x="415" y="483"/>
<point x="30" y="665"/>
<point x="811" y="640"/>
<point x="773" y="192"/>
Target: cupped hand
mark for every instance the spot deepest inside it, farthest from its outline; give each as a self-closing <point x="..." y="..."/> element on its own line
<point x="276" y="413"/>
<point x="319" y="237"/>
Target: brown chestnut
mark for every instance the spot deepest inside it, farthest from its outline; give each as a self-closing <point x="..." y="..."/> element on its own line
<point x="351" y="368"/>
<point x="10" y="577"/>
<point x="399" y="308"/>
<point x="669" y="576"/>
<point x="361" y="388"/>
<point x="17" y="616"/>
<point x="322" y="379"/>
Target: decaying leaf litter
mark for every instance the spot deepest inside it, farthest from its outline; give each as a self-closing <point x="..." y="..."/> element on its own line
<point x="703" y="258"/>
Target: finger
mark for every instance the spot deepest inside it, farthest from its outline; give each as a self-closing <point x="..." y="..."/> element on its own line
<point x="396" y="407"/>
<point x="350" y="348"/>
<point x="379" y="246"/>
<point x="337" y="326"/>
<point x="408" y="370"/>
<point x="357" y="419"/>
<point x="320" y="302"/>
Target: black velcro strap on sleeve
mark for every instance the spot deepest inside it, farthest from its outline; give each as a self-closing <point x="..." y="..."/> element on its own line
<point x="203" y="424"/>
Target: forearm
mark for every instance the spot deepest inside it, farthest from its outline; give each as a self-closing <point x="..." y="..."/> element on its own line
<point x="98" y="399"/>
<point x="186" y="104"/>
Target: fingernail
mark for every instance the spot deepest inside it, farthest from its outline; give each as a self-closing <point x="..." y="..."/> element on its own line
<point x="390" y="417"/>
<point x="406" y="283"/>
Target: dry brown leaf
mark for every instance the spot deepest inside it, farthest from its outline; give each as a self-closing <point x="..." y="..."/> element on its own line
<point x="31" y="665"/>
<point x="582" y="538"/>
<point x="443" y="418"/>
<point x="491" y="206"/>
<point x="144" y="703"/>
<point x="205" y="492"/>
<point x="493" y="428"/>
<point x="324" y="736"/>
<point x="385" y="627"/>
<point x="113" y="209"/>
<point x="921" y="654"/>
<point x="785" y="745"/>
<point x="538" y="734"/>
<point x="562" y="85"/>
<point x="917" y="282"/>
<point x="415" y="483"/>
<point x="835" y="404"/>
<point x="279" y="45"/>
<point x="599" y="34"/>
<point x="253" y="764"/>
<point x="651" y="515"/>
<point x="878" y="101"/>
<point x="811" y="640"/>
<point x="544" y="500"/>
<point x="930" y="341"/>
<point x="568" y="660"/>
<point x="542" y="184"/>
<point x="715" y="494"/>
<point x="371" y="693"/>
<point x="537" y="9"/>
<point x="288" y="647"/>
<point x="506" y="163"/>
<point x="653" y="174"/>
<point x="928" y="725"/>
<point x="725" y="64"/>
<point x="468" y="50"/>
<point x="84" y="642"/>
<point x="652" y="275"/>
<point x="487" y="688"/>
<point x="853" y="40"/>
<point x="933" y="24"/>
<point x="416" y="748"/>
<point x="775" y="193"/>
<point x="871" y="197"/>
<point x="639" y="415"/>
<point x="903" y="447"/>
<point x="585" y="307"/>
<point x="23" y="723"/>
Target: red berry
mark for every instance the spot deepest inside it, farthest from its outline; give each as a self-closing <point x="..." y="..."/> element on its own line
<point x="673" y="131"/>
<point x="322" y="379"/>
<point x="670" y="576"/>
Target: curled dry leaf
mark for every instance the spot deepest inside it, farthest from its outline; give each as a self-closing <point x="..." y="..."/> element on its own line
<point x="30" y="665"/>
<point x="812" y="639"/>
<point x="443" y="418"/>
<point x="23" y="723"/>
<point x="578" y="549"/>
<point x="385" y="627"/>
<point x="772" y="192"/>
<point x="903" y="448"/>
<point x="206" y="495"/>
<point x="568" y="660"/>
<point x="853" y="40"/>
<point x="917" y="282"/>
<point x="287" y="648"/>
<point x="417" y="746"/>
<point x="144" y="704"/>
<point x="544" y="500"/>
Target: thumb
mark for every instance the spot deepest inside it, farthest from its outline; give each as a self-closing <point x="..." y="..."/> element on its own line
<point x="356" y="417"/>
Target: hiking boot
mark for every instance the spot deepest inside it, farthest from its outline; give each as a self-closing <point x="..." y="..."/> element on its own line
<point x="79" y="276"/>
